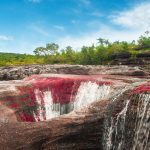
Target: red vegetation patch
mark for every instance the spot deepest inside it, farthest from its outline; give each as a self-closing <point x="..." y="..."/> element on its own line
<point x="62" y="89"/>
<point x="144" y="88"/>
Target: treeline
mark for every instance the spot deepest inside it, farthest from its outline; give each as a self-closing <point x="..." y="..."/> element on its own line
<point x="8" y="59"/>
<point x="101" y="53"/>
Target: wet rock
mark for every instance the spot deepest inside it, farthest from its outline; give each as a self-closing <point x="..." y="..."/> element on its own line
<point x="21" y="96"/>
<point x="28" y="95"/>
<point x="82" y="129"/>
<point x="7" y="114"/>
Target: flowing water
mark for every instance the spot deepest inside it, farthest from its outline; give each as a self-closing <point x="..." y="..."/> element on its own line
<point x="116" y="131"/>
<point x="87" y="93"/>
<point x="46" y="108"/>
<point x="142" y="129"/>
<point x="125" y="131"/>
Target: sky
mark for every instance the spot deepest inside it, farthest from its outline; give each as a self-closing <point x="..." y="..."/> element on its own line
<point x="27" y="24"/>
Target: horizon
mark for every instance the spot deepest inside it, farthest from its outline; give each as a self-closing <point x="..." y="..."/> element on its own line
<point x="27" y="24"/>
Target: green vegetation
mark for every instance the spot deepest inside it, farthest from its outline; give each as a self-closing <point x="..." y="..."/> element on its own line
<point x="7" y="59"/>
<point x="101" y="53"/>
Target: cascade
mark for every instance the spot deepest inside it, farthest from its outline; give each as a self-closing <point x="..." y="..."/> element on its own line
<point x="87" y="93"/>
<point x="142" y="128"/>
<point x="117" y="130"/>
<point x="123" y="131"/>
<point x="107" y="115"/>
<point x="39" y="98"/>
<point x="46" y="109"/>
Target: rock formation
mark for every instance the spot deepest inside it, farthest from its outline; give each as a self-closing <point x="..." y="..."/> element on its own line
<point x="124" y="58"/>
<point x="118" y="118"/>
<point x="20" y="72"/>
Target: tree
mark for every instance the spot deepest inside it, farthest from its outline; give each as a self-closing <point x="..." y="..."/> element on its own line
<point x="103" y="41"/>
<point x="50" y="49"/>
<point x="69" y="55"/>
<point x="39" y="51"/>
<point x="144" y="41"/>
<point x="87" y="55"/>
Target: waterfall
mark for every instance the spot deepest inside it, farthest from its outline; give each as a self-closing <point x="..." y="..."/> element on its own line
<point x="115" y="135"/>
<point x="142" y="134"/>
<point x="46" y="108"/>
<point x="87" y="93"/>
<point x="116" y="130"/>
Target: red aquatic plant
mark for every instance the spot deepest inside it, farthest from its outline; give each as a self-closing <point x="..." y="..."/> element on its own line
<point x="144" y="88"/>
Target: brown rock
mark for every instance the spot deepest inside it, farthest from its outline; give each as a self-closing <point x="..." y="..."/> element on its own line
<point x="7" y="114"/>
<point x="77" y="130"/>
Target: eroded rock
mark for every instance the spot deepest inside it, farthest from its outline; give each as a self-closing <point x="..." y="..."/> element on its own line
<point x="80" y="129"/>
<point x="20" y="72"/>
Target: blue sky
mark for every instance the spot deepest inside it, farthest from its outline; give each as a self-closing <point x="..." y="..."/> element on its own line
<point x="27" y="24"/>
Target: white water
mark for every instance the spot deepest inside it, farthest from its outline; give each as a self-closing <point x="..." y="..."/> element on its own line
<point x="142" y="124"/>
<point x="87" y="93"/>
<point x="122" y="116"/>
<point x="120" y="120"/>
<point x="46" y="108"/>
<point x="114" y="137"/>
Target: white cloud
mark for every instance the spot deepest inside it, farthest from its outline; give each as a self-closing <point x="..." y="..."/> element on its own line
<point x="91" y="38"/>
<point x="59" y="27"/>
<point x="135" y="22"/>
<point x="6" y="38"/>
<point x="135" y="18"/>
<point x="35" y="1"/>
